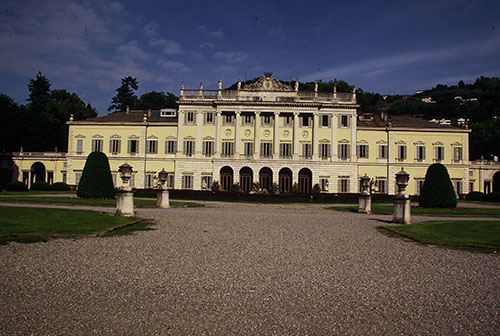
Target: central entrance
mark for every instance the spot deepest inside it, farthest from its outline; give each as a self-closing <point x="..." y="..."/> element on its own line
<point x="285" y="180"/>
<point x="246" y="179"/>
<point x="226" y="178"/>
<point x="305" y="180"/>
<point x="265" y="178"/>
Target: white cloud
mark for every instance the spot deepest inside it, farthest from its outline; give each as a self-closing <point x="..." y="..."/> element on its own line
<point x="231" y="57"/>
<point x="169" y="47"/>
<point x="131" y="50"/>
<point x="211" y="33"/>
<point x="174" y="66"/>
<point x="206" y="45"/>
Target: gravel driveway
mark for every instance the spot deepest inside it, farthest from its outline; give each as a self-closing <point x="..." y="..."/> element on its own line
<point x="241" y="269"/>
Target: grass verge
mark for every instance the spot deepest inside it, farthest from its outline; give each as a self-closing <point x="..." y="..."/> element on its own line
<point x="386" y="209"/>
<point x="92" y="202"/>
<point x="479" y="235"/>
<point x="38" y="224"/>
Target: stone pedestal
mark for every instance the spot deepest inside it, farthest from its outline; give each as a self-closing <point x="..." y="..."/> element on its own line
<point x="162" y="199"/>
<point x="365" y="203"/>
<point x="124" y="203"/>
<point x="402" y="209"/>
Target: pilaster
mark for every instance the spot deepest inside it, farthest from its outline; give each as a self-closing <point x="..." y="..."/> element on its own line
<point x="295" y="135"/>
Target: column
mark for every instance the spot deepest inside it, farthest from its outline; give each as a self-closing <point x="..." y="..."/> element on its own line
<point x="276" y="136"/>
<point x="198" y="143"/>
<point x="257" y="136"/>
<point x="180" y="140"/>
<point x="295" y="135"/>
<point x="334" y="138"/>
<point x="315" y="142"/>
<point x="217" y="134"/>
<point x="353" y="138"/>
<point x="237" y="135"/>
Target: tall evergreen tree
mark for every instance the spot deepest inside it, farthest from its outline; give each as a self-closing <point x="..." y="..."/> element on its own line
<point x="125" y="95"/>
<point x="39" y="87"/>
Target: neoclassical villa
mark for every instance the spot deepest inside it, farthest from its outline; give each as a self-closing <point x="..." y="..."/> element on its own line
<point x="265" y="132"/>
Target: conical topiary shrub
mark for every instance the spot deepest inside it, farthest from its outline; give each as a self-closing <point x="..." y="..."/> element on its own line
<point x="96" y="180"/>
<point x="437" y="191"/>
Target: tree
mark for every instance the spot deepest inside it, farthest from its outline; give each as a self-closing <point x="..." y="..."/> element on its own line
<point x="39" y="87"/>
<point x="96" y="180"/>
<point x="157" y="100"/>
<point x="437" y="191"/>
<point x="124" y="95"/>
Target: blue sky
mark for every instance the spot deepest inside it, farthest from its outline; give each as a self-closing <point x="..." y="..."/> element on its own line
<point x="382" y="46"/>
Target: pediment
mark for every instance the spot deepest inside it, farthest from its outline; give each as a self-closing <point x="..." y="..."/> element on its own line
<point x="97" y="136"/>
<point x="344" y="141"/>
<point x="80" y="136"/>
<point x="115" y="136"/>
<point x="267" y="83"/>
<point x="382" y="142"/>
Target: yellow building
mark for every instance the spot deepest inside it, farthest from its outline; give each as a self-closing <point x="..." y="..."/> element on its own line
<point x="265" y="132"/>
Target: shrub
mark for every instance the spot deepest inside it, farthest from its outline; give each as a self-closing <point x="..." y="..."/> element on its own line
<point x="255" y="187"/>
<point x="475" y="196"/>
<point x="295" y="188"/>
<point x="274" y="188"/>
<point x="316" y="189"/>
<point x="16" y="186"/>
<point x="492" y="197"/>
<point x="96" y="180"/>
<point x="41" y="185"/>
<point x="437" y="191"/>
<point x="60" y="186"/>
<point x="5" y="177"/>
<point x="215" y="186"/>
<point x="235" y="187"/>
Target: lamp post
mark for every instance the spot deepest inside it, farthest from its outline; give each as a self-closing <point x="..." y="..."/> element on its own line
<point x="365" y="198"/>
<point x="125" y="195"/>
<point x="162" y="196"/>
<point x="402" y="206"/>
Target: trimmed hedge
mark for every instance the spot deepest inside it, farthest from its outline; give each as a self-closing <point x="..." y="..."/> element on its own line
<point x="5" y="177"/>
<point x="41" y="185"/>
<point x="16" y="186"/>
<point x="437" y="191"/>
<point x="492" y="197"/>
<point x="96" y="180"/>
<point x="60" y="186"/>
<point x="475" y="196"/>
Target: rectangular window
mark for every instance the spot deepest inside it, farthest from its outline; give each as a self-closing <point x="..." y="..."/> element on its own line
<point x="170" y="147"/>
<point x="402" y="152"/>
<point x="79" y="146"/>
<point x="457" y="153"/>
<point x="306" y="150"/>
<point x="305" y="120"/>
<point x="114" y="146"/>
<point x="78" y="176"/>
<point x="363" y="151"/>
<point x="266" y="120"/>
<point x="133" y="146"/>
<point x="96" y="145"/>
<point x="170" y="181"/>
<point x="208" y="148"/>
<point x="149" y="181"/>
<point x="382" y="186"/>
<point x="287" y="120"/>
<point x="227" y="148"/>
<point x="247" y="119"/>
<point x="344" y="150"/>
<point x="190" y="118"/>
<point x="343" y="186"/>
<point x="208" y="118"/>
<point x="228" y="119"/>
<point x="471" y="186"/>
<point x="64" y="178"/>
<point x="114" y="176"/>
<point x="420" y="153"/>
<point x="266" y="149"/>
<point x="324" y="151"/>
<point x="285" y="150"/>
<point x="439" y="153"/>
<point x="323" y="183"/>
<point x="152" y="146"/>
<point x="206" y="182"/>
<point x="325" y="120"/>
<point x="344" y="121"/>
<point x="248" y="148"/>
<point x="187" y="181"/>
<point x="420" y="184"/>
<point x="458" y="186"/>
<point x="188" y="148"/>
<point x="382" y="151"/>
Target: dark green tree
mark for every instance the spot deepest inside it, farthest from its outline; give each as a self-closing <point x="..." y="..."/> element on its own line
<point x="125" y="95"/>
<point x="96" y="180"/>
<point x="437" y="191"/>
<point x="40" y="86"/>
<point x="157" y="100"/>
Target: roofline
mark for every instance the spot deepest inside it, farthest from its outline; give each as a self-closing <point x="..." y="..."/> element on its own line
<point x="452" y="130"/>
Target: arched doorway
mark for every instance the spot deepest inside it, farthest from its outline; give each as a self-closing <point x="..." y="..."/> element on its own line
<point x="246" y="179"/>
<point x="305" y="180"/>
<point x="285" y="180"/>
<point x="37" y="172"/>
<point x="265" y="178"/>
<point x="226" y="178"/>
<point x="496" y="182"/>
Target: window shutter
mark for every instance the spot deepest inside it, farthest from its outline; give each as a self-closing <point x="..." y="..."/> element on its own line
<point x="348" y="186"/>
<point x="348" y="121"/>
<point x="348" y="150"/>
<point x="358" y="150"/>
<point x="184" y="144"/>
<point x="339" y="186"/>
<point x="423" y="153"/>
<point x="129" y="145"/>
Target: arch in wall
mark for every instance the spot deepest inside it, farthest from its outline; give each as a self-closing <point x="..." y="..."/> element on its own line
<point x="37" y="172"/>
<point x="305" y="180"/>
<point x="496" y="182"/>
<point x="226" y="178"/>
<point x="265" y="178"/>
<point x="285" y="180"/>
<point x="246" y="179"/>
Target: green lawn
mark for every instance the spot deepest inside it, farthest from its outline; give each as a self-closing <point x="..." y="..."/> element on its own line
<point x="39" y="224"/>
<point x="386" y="209"/>
<point x="465" y="234"/>
<point x="93" y="202"/>
<point x="37" y="192"/>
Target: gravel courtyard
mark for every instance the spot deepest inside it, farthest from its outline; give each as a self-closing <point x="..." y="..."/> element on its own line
<point x="244" y="269"/>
